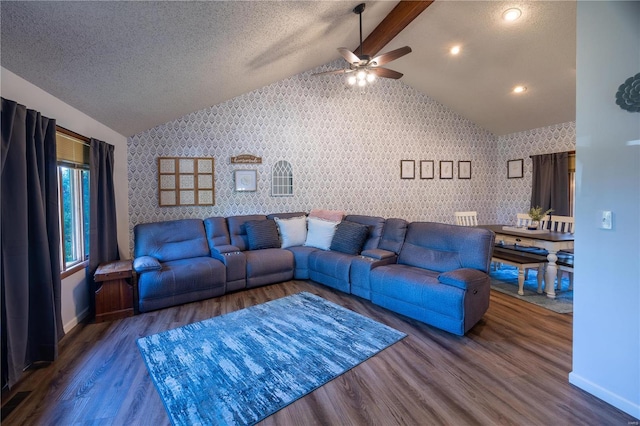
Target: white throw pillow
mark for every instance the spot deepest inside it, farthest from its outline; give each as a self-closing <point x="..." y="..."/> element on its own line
<point x="293" y="231"/>
<point x="320" y="233"/>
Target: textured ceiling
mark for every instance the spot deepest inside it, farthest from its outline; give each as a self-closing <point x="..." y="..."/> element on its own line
<point x="135" y="65"/>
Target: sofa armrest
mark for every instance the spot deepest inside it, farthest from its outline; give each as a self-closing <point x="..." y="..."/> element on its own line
<point x="378" y="254"/>
<point x="219" y="250"/>
<point x="146" y="263"/>
<point x="463" y="278"/>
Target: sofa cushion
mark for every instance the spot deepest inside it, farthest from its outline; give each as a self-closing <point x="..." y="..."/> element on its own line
<point x="332" y="215"/>
<point x="217" y="231"/>
<point x="320" y="233"/>
<point x="349" y="237"/>
<point x="146" y="263"/>
<point x="171" y="240"/>
<point x="238" y="232"/>
<point x="442" y="247"/>
<point x="262" y="234"/>
<point x="293" y="231"/>
<point x="375" y="224"/>
<point x="181" y="281"/>
<point x="393" y="235"/>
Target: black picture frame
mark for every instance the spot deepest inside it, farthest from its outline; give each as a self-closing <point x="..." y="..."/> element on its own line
<point x="446" y="169"/>
<point x="407" y="169"/>
<point x="515" y="169"/>
<point x="426" y="169"/>
<point x="464" y="169"/>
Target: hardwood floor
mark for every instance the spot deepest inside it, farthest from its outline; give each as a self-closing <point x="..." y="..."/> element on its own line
<point x="511" y="368"/>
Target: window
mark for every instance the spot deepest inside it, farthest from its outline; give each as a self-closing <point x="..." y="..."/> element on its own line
<point x="282" y="179"/>
<point x="73" y="190"/>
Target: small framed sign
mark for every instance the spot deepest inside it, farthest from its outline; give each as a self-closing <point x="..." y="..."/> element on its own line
<point x="514" y="169"/>
<point x="407" y="169"/>
<point x="464" y="169"/>
<point x="426" y="169"/>
<point x="446" y="169"/>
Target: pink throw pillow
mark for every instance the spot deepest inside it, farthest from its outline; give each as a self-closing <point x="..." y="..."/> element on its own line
<point x="333" y="215"/>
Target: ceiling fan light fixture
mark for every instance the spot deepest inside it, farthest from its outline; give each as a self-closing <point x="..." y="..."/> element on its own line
<point x="362" y="83"/>
<point x="519" y="89"/>
<point x="511" y="14"/>
<point x="361" y="75"/>
<point x="351" y="80"/>
<point x="371" y="77"/>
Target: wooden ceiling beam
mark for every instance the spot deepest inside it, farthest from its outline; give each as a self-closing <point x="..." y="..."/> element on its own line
<point x="391" y="25"/>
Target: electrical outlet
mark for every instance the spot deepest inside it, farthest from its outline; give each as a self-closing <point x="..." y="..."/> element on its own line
<point x="606" y="222"/>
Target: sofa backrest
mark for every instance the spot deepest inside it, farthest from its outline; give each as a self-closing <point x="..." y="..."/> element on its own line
<point x="393" y="235"/>
<point x="171" y="240"/>
<point x="441" y="247"/>
<point x="375" y="224"/>
<point x="217" y="231"/>
<point x="237" y="231"/>
<point x="285" y="215"/>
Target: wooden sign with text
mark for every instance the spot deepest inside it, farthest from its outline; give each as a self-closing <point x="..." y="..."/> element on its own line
<point x="246" y="159"/>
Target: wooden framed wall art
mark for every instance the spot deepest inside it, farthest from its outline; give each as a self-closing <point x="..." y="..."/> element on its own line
<point x="464" y="169"/>
<point x="186" y="181"/>
<point x="407" y="169"/>
<point x="426" y="169"/>
<point x="446" y="169"/>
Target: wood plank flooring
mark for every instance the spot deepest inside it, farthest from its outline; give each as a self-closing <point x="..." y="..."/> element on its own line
<point x="510" y="369"/>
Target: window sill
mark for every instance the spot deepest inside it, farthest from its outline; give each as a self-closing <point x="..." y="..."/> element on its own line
<point x="74" y="269"/>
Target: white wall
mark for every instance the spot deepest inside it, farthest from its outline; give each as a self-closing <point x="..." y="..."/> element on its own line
<point x="606" y="339"/>
<point x="75" y="298"/>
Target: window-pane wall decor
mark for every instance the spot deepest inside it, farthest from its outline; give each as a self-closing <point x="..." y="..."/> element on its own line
<point x="186" y="181"/>
<point x="282" y="179"/>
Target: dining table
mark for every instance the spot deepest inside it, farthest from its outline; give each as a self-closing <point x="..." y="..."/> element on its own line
<point x="552" y="242"/>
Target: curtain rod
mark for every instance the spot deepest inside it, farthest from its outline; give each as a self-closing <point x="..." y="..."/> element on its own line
<point x="568" y="152"/>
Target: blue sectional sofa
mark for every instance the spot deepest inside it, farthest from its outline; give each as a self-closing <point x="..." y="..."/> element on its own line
<point x="432" y="272"/>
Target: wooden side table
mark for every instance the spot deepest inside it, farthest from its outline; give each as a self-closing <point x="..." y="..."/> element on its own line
<point x="114" y="298"/>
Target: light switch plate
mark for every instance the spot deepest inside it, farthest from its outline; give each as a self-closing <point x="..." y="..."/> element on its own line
<point x="606" y="222"/>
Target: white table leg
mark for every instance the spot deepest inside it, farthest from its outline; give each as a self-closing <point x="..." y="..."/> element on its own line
<point x="521" y="281"/>
<point x="552" y="273"/>
<point x="540" y="277"/>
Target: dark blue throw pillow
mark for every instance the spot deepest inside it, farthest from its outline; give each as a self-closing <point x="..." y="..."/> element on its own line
<point x="262" y="234"/>
<point x="349" y="237"/>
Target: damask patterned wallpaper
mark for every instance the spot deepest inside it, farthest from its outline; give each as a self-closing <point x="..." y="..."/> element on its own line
<point x="345" y="145"/>
<point x="514" y="195"/>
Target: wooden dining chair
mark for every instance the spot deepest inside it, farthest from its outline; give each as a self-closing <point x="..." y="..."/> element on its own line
<point x="523" y="220"/>
<point x="565" y="257"/>
<point x="466" y="218"/>
<point x="561" y="224"/>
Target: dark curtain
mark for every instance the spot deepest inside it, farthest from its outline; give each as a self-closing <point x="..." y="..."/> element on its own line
<point x="30" y="249"/>
<point x="550" y="186"/>
<point x="103" y="240"/>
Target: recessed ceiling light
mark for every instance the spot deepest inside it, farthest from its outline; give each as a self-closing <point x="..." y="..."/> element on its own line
<point x="455" y="50"/>
<point x="519" y="89"/>
<point x="511" y="15"/>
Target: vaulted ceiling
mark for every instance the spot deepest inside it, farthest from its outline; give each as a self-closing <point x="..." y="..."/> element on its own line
<point x="134" y="65"/>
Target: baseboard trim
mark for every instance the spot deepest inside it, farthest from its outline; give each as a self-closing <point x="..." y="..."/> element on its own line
<point x="75" y="321"/>
<point x="629" y="407"/>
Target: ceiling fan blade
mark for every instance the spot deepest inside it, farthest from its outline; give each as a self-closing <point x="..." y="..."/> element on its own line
<point x="343" y="71"/>
<point x="386" y="73"/>
<point x="390" y="56"/>
<point x="348" y="55"/>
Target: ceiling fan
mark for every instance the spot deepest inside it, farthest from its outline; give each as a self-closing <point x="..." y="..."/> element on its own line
<point x="364" y="68"/>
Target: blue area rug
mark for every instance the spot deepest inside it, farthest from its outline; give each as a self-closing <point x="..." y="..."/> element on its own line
<point x="505" y="280"/>
<point x="242" y="367"/>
